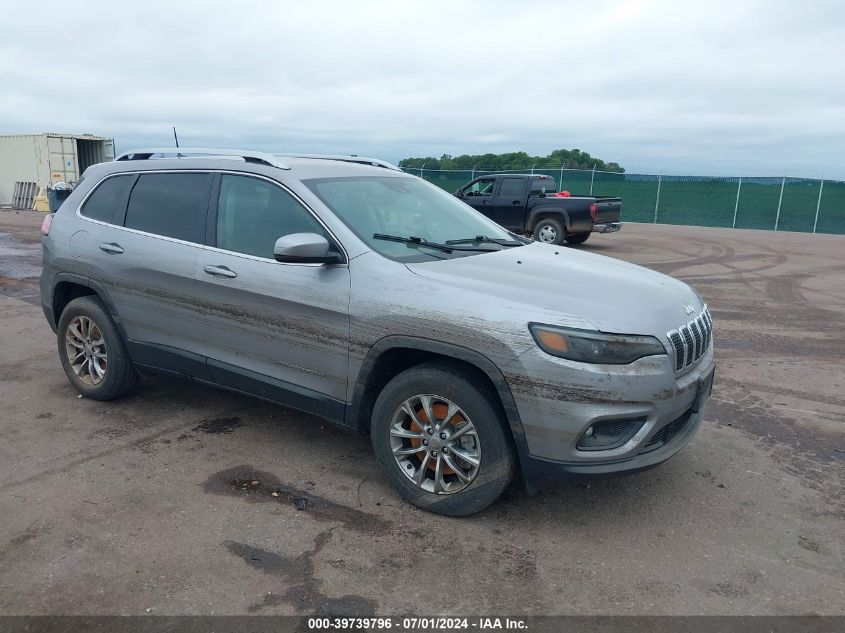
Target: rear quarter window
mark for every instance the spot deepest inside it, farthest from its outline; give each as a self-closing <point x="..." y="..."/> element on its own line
<point x="171" y="205"/>
<point x="107" y="198"/>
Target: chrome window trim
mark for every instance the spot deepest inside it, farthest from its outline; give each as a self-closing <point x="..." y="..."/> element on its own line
<point x="284" y="187"/>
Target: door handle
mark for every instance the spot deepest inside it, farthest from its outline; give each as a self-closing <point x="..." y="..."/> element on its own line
<point x="517" y="202"/>
<point x="220" y="271"/>
<point x="111" y="247"/>
<point x="485" y="202"/>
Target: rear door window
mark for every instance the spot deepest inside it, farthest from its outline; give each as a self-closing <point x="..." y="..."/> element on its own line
<point x="512" y="188"/>
<point x="172" y="205"/>
<point x="253" y="213"/>
<point x="107" y="198"/>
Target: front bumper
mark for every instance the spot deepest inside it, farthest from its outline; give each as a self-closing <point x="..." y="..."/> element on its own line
<point x="556" y="414"/>
<point x="607" y="227"/>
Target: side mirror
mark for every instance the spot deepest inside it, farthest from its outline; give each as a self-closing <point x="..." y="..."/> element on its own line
<point x="304" y="248"/>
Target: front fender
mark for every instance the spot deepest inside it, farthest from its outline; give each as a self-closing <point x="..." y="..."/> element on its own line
<point x="448" y="350"/>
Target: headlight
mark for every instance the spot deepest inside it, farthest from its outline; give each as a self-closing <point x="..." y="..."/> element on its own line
<point x="594" y="347"/>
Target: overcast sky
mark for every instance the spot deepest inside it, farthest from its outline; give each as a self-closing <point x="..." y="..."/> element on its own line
<point x="683" y="87"/>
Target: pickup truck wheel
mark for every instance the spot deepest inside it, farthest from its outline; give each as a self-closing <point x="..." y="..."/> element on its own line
<point x="577" y="238"/>
<point x="441" y="441"/>
<point x="549" y="231"/>
<point x="92" y="352"/>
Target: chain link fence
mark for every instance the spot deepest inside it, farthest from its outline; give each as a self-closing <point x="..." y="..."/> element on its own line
<point x="779" y="204"/>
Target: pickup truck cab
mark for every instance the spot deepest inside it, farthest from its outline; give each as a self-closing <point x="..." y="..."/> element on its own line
<point x="528" y="204"/>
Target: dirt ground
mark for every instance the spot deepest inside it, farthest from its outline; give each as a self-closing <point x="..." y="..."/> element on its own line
<point x="148" y="504"/>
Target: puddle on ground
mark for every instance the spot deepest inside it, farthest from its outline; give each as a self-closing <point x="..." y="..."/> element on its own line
<point x="304" y="592"/>
<point x="258" y="486"/>
<point x="218" y="425"/>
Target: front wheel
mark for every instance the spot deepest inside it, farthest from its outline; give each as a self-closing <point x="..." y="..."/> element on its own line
<point x="549" y="231"/>
<point x="441" y="440"/>
<point x="577" y="238"/>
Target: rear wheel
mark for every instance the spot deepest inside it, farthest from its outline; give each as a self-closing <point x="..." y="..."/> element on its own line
<point x="577" y="238"/>
<point x="549" y="231"/>
<point x="441" y="441"/>
<point x="92" y="351"/>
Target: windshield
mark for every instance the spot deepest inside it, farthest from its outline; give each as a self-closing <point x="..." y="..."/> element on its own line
<point x="405" y="207"/>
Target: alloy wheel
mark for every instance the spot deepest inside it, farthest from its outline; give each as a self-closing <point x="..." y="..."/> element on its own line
<point x="86" y="352"/>
<point x="435" y="444"/>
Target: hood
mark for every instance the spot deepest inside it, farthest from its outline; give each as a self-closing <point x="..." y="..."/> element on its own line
<point x="564" y="286"/>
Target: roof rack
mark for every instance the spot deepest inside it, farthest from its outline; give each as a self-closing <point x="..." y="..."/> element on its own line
<point x="260" y="158"/>
<point x="362" y="160"/>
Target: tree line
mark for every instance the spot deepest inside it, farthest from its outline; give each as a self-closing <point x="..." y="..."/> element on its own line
<point x="569" y="158"/>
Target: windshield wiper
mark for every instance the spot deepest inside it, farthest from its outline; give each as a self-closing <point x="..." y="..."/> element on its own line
<point x="446" y="248"/>
<point x="483" y="239"/>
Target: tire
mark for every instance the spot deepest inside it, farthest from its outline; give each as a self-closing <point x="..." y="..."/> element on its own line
<point x="106" y="371"/>
<point x="489" y="440"/>
<point x="549" y="231"/>
<point x="577" y="238"/>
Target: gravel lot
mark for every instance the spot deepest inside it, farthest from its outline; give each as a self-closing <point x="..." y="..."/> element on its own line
<point x="147" y="504"/>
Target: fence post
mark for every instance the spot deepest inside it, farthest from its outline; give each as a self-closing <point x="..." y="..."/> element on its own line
<point x="422" y="169"/>
<point x="818" y="205"/>
<point x="736" y="206"/>
<point x="657" y="201"/>
<point x="560" y="184"/>
<point x="592" y="178"/>
<point x="532" y="168"/>
<point x="473" y="172"/>
<point x="780" y="201"/>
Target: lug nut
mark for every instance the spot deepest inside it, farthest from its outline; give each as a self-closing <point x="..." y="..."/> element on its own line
<point x="442" y="436"/>
<point x="434" y="453"/>
<point x="430" y="431"/>
<point x="425" y="442"/>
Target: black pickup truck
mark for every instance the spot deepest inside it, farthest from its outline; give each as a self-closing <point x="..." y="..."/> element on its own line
<point x="529" y="204"/>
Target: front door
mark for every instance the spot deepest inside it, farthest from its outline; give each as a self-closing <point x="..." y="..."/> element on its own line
<point x="479" y="194"/>
<point x="275" y="330"/>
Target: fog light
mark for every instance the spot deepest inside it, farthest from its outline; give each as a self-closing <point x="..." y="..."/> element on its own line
<point x="609" y="434"/>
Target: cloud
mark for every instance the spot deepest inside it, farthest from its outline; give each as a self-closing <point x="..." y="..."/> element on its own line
<point x="717" y="88"/>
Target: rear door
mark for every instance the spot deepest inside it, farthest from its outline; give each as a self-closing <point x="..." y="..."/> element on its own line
<point x="275" y="330"/>
<point x="147" y="259"/>
<point x="508" y="204"/>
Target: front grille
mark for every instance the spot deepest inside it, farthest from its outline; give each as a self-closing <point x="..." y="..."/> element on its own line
<point x="668" y="432"/>
<point x="691" y="340"/>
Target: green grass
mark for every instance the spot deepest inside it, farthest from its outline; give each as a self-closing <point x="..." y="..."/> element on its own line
<point x="701" y="201"/>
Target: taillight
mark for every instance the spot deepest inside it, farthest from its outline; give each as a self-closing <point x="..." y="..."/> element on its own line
<point x="46" y="224"/>
<point x="594" y="212"/>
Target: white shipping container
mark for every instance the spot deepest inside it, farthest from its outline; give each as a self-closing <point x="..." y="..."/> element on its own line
<point x="48" y="158"/>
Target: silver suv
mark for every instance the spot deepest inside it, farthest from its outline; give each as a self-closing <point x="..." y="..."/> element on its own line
<point x="344" y="287"/>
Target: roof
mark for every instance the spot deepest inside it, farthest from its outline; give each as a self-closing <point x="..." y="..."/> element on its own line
<point x="248" y="156"/>
<point x="83" y="137"/>
<point x="270" y="165"/>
